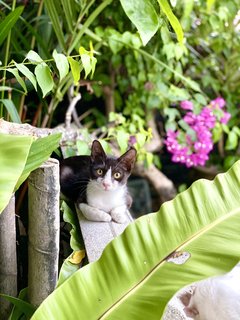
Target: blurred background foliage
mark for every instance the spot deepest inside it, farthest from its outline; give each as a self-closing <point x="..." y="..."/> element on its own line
<point x="132" y="84"/>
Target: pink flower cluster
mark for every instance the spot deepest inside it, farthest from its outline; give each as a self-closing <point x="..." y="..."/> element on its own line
<point x="192" y="147"/>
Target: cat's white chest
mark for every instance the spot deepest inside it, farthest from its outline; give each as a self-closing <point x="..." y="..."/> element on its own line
<point x="105" y="200"/>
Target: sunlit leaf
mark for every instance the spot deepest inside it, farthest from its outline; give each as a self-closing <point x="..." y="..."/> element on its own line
<point x="44" y="78"/>
<point x="13" y="156"/>
<point x="86" y="61"/>
<point x="232" y="141"/>
<point x="34" y="57"/>
<point x="75" y="68"/>
<point x="122" y="139"/>
<point x="164" y="5"/>
<point x="143" y="16"/>
<point x="133" y="280"/>
<point x="62" y="64"/>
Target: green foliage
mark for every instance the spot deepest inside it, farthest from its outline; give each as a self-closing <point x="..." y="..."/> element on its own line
<point x="19" y="156"/>
<point x="71" y="265"/>
<point x="139" y="280"/>
<point x="9" y="21"/>
<point x="22" y="308"/>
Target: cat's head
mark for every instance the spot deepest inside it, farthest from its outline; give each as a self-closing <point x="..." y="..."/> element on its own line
<point x="109" y="172"/>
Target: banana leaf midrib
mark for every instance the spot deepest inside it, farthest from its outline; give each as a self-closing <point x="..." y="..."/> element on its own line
<point x="163" y="260"/>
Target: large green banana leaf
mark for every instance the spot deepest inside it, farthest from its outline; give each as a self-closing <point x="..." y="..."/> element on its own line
<point x="19" y="155"/>
<point x="133" y="280"/>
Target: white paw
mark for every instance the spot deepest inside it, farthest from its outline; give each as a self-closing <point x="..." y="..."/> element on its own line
<point x="94" y="214"/>
<point x="119" y="214"/>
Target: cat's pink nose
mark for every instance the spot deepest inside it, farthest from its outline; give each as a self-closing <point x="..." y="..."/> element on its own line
<point x="106" y="185"/>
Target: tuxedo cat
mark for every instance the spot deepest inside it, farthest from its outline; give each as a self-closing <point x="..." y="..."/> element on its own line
<point x="215" y="298"/>
<point x="98" y="183"/>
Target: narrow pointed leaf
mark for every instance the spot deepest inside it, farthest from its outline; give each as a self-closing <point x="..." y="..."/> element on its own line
<point x="15" y="72"/>
<point x="13" y="156"/>
<point x="53" y="8"/>
<point x="133" y="279"/>
<point x="172" y="19"/>
<point x="26" y="307"/>
<point x="7" y="24"/>
<point x="143" y="16"/>
<point x="62" y="64"/>
<point x="11" y="109"/>
<point x="27" y="73"/>
<point x="44" y="78"/>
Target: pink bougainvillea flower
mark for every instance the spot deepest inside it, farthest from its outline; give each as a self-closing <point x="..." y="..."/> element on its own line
<point x="186" y="105"/>
<point x="225" y="118"/>
<point x="219" y="102"/>
<point x="193" y="149"/>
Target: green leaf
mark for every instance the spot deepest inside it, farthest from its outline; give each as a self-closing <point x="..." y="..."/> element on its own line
<point x="75" y="68"/>
<point x="14" y="71"/>
<point x="122" y="139"/>
<point x="17" y="312"/>
<point x="232" y="141"/>
<point x="11" y="109"/>
<point x="13" y="156"/>
<point x="27" y="73"/>
<point x="76" y="243"/>
<point x="27" y="308"/>
<point x="164" y="5"/>
<point x="40" y="151"/>
<point x="7" y="24"/>
<point x="86" y="61"/>
<point x="83" y="148"/>
<point x="217" y="132"/>
<point x="133" y="279"/>
<point x="201" y="99"/>
<point x="44" y="78"/>
<point x="68" y="8"/>
<point x="62" y="64"/>
<point x="34" y="57"/>
<point x="143" y="16"/>
<point x="54" y="8"/>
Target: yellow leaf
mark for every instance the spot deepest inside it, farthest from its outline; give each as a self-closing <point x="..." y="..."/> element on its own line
<point x="77" y="256"/>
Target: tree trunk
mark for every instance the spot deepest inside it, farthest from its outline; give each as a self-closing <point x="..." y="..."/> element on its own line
<point x="44" y="224"/>
<point x="8" y="258"/>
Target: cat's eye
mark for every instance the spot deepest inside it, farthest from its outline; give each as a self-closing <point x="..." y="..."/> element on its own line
<point x="117" y="175"/>
<point x="99" y="172"/>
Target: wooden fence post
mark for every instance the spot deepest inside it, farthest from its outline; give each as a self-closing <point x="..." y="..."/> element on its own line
<point x="44" y="225"/>
<point x="8" y="257"/>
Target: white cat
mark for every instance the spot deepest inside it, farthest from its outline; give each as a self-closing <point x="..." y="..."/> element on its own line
<point x="215" y="298"/>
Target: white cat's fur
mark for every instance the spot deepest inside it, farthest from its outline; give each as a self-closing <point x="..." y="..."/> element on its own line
<point x="215" y="298"/>
<point x="106" y="200"/>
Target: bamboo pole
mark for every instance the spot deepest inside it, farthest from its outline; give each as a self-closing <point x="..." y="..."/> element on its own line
<point x="44" y="224"/>
<point x="8" y="257"/>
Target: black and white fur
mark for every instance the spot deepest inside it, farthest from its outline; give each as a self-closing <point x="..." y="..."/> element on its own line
<point x="98" y="183"/>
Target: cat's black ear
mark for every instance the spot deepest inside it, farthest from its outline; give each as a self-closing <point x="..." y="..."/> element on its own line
<point x="97" y="151"/>
<point x="128" y="159"/>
